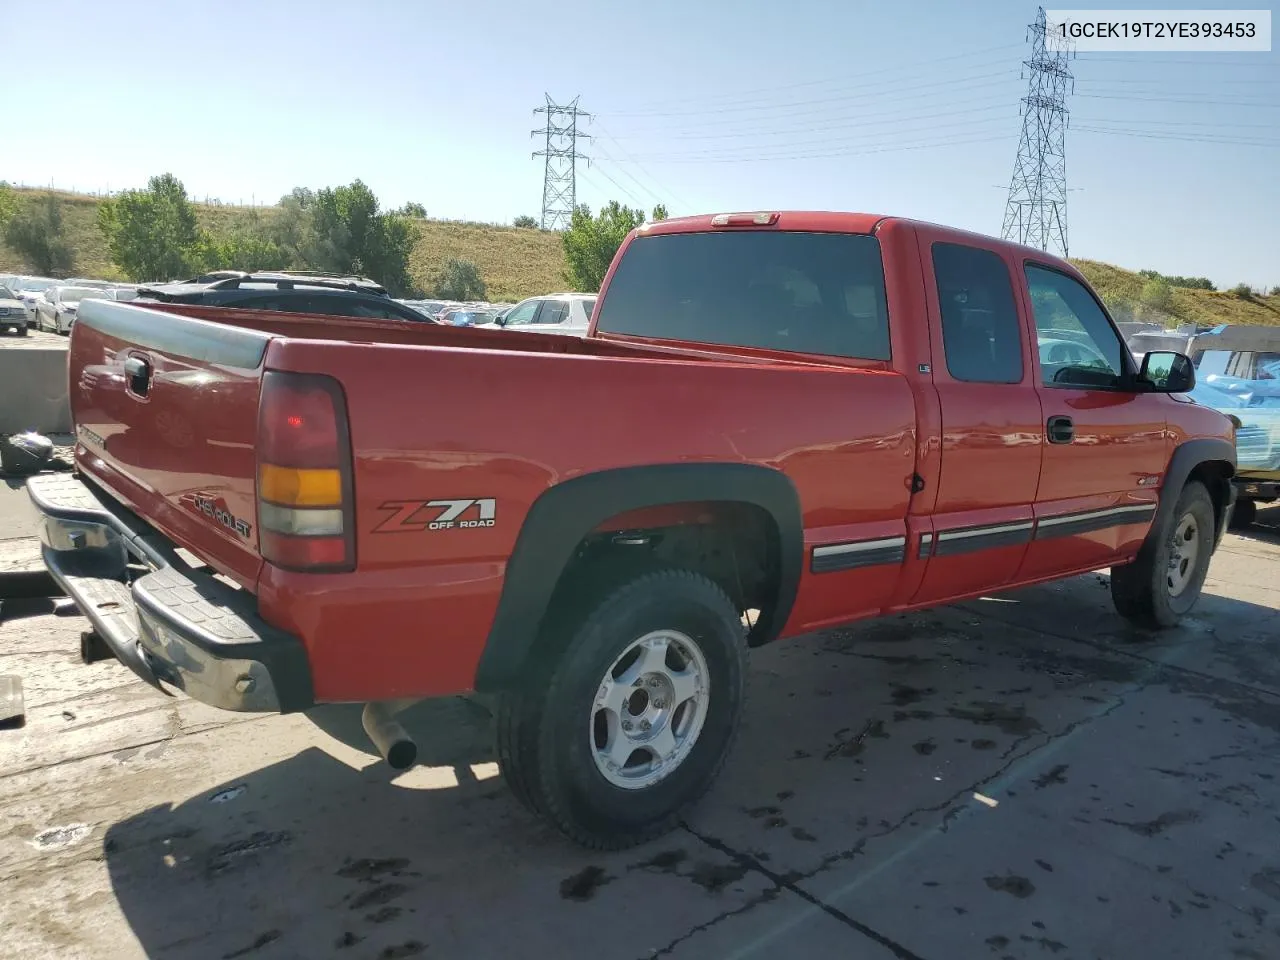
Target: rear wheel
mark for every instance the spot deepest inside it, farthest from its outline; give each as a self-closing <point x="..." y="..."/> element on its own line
<point x="633" y="720"/>
<point x="1159" y="587"/>
<point x="1243" y="514"/>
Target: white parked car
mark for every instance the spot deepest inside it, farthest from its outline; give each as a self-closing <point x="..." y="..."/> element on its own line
<point x="30" y="291"/>
<point x="563" y="313"/>
<point x="56" y="310"/>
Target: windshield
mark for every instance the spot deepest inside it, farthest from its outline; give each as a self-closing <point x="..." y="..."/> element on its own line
<point x="36" y="285"/>
<point x="76" y="294"/>
<point x="6" y="293"/>
<point x="820" y="293"/>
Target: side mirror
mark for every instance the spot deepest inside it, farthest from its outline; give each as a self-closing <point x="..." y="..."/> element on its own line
<point x="1168" y="372"/>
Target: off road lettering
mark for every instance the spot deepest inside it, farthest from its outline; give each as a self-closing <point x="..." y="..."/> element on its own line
<point x="406" y="516"/>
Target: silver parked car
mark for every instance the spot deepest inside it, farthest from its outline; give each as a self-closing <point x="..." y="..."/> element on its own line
<point x="563" y="313"/>
<point x="56" y="310"/>
<point x="13" y="312"/>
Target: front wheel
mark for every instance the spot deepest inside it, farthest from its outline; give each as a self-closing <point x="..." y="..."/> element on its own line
<point x="631" y="724"/>
<point x="1159" y="587"/>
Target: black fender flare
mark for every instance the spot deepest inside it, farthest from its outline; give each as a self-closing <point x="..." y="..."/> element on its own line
<point x="1188" y="456"/>
<point x="567" y="512"/>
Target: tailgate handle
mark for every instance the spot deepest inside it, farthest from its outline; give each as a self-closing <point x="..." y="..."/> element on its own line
<point x="139" y="374"/>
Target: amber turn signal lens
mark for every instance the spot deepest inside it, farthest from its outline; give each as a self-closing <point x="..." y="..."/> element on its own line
<point x="296" y="487"/>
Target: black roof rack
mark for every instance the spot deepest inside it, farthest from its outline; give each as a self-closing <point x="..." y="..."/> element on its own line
<point x="288" y="279"/>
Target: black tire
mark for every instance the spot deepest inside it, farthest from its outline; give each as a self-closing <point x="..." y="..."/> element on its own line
<point x="545" y="748"/>
<point x="1141" y="590"/>
<point x="1244" y="514"/>
<point x="22" y="330"/>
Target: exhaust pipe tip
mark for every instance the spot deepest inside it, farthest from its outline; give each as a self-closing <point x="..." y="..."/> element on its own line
<point x="394" y="744"/>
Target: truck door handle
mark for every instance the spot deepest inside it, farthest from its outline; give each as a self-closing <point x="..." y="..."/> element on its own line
<point x="139" y="373"/>
<point x="1060" y="430"/>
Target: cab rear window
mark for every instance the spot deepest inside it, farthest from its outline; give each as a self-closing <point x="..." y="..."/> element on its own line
<point x="819" y="293"/>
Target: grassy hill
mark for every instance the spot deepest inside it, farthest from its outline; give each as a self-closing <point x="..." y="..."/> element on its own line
<point x="1210" y="307"/>
<point x="517" y="263"/>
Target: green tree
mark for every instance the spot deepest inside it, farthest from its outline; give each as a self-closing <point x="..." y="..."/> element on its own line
<point x="246" y="249"/>
<point x="1275" y="292"/>
<point x="1157" y="295"/>
<point x="340" y="229"/>
<point x="524" y="221"/>
<point x="412" y="209"/>
<point x="8" y="203"/>
<point x="591" y="242"/>
<point x="659" y="212"/>
<point x="459" y="280"/>
<point x="36" y="232"/>
<point x="1243" y="291"/>
<point x="152" y="234"/>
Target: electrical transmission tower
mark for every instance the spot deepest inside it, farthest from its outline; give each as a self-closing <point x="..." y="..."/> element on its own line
<point x="559" y="182"/>
<point x="1036" y="211"/>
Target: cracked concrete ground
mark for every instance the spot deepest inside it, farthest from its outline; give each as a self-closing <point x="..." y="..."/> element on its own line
<point x="1018" y="776"/>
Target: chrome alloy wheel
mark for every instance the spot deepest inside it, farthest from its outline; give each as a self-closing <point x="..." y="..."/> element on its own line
<point x="649" y="709"/>
<point x="1184" y="549"/>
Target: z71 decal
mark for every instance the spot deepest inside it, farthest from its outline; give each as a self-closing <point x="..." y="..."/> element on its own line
<point x="415" y="515"/>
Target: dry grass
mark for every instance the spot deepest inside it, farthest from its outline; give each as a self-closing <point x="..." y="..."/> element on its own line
<point x="1210" y="307"/>
<point x="517" y="263"/>
<point x="514" y="263"/>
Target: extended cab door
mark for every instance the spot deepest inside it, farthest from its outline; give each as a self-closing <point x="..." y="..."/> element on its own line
<point x="1105" y="446"/>
<point x="991" y="423"/>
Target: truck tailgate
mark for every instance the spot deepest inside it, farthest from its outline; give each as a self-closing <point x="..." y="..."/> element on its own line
<point x="165" y="408"/>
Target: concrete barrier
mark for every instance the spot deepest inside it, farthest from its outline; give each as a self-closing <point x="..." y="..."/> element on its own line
<point x="33" y="388"/>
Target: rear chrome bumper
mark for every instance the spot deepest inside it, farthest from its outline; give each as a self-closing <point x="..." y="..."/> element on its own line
<point x="171" y="624"/>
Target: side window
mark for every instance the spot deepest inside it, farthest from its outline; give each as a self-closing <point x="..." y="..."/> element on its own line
<point x="523" y="314"/>
<point x="369" y="309"/>
<point x="553" y="311"/>
<point x="1077" y="345"/>
<point x="268" y="302"/>
<point x="979" y="319"/>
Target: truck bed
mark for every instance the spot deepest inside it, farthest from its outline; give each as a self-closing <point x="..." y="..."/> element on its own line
<point x="457" y="415"/>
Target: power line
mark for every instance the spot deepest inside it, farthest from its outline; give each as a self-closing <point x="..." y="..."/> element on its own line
<point x="809" y="107"/>
<point x="559" y="178"/>
<point x="918" y="145"/>
<point x="895" y="84"/>
<point x="590" y="175"/>
<point x="878" y="139"/>
<point x="1145" y="61"/>
<point x="1207" y="103"/>
<point x="845" y="116"/>
<point x="1146" y="135"/>
<point x="1035" y="213"/>
<point x="626" y="153"/>
<point x="812" y="83"/>
<point x="1000" y="113"/>
<point x="626" y="173"/>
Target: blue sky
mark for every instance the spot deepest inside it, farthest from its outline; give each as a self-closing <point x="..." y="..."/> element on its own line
<point x="707" y="106"/>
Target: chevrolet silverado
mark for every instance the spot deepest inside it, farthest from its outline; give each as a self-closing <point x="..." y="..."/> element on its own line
<point x="782" y="422"/>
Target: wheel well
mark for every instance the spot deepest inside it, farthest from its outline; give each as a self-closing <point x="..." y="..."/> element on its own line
<point x="1216" y="477"/>
<point x="734" y="544"/>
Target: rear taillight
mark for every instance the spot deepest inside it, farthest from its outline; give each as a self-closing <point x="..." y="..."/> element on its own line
<point x="306" y="515"/>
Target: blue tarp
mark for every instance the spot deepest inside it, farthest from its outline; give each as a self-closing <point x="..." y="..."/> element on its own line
<point x="1256" y="403"/>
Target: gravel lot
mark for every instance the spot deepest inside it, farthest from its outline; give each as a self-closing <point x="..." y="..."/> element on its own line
<point x="34" y="338"/>
<point x="1019" y="776"/>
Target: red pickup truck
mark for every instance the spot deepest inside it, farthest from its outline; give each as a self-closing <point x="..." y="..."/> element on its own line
<point x="780" y="422"/>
